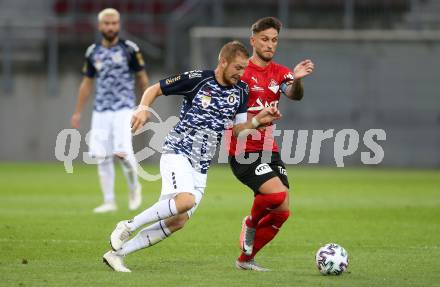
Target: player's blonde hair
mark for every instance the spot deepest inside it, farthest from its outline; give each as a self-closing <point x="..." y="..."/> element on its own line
<point x="232" y="49"/>
<point x="108" y="12"/>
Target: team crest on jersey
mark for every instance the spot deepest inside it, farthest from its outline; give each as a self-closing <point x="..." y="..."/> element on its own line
<point x="232" y="99"/>
<point x="273" y="86"/>
<point x="206" y="100"/>
<point x="117" y="57"/>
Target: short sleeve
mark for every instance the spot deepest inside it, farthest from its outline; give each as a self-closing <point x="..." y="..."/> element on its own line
<point x="88" y="69"/>
<point x="286" y="75"/>
<point x="286" y="78"/>
<point x="183" y="84"/>
<point x="136" y="60"/>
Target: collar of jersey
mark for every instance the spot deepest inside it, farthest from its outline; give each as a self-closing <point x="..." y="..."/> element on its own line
<point x="256" y="67"/>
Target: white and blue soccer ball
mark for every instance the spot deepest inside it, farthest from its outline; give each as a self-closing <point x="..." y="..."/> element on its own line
<point x="332" y="259"/>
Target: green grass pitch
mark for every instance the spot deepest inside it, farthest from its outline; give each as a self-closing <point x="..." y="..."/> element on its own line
<point x="388" y="220"/>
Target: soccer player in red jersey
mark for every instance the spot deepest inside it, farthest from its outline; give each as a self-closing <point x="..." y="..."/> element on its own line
<point x="257" y="162"/>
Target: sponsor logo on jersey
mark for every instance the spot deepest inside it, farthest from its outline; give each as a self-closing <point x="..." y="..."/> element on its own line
<point x="262" y="168"/>
<point x="273" y="86"/>
<point x="256" y="88"/>
<point x="206" y="100"/>
<point x="140" y="59"/>
<point x="282" y="170"/>
<point x="194" y="74"/>
<point x="169" y="81"/>
<point x="289" y="76"/>
<point x="259" y="105"/>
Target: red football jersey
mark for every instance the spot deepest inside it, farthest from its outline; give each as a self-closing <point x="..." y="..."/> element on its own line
<point x="264" y="91"/>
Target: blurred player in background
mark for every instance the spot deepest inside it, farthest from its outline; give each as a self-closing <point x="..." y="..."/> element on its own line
<point x="115" y="63"/>
<point x="212" y="101"/>
<point x="267" y="175"/>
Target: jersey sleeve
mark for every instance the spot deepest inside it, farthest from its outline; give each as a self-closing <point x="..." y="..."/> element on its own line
<point x="286" y="74"/>
<point x="136" y="60"/>
<point x="182" y="84"/>
<point x="244" y="99"/>
<point x="88" y="69"/>
<point x="286" y="78"/>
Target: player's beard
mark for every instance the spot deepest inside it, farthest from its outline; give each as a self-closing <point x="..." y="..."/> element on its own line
<point x="262" y="57"/>
<point x="229" y="80"/>
<point x="110" y="36"/>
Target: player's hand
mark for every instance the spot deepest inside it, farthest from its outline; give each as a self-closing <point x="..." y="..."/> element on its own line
<point x="139" y="118"/>
<point x="268" y="115"/>
<point x="303" y="69"/>
<point x="74" y="120"/>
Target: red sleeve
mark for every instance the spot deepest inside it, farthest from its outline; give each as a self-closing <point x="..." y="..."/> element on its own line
<point x="285" y="74"/>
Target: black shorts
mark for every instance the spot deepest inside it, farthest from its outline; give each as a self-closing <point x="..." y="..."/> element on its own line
<point x="259" y="171"/>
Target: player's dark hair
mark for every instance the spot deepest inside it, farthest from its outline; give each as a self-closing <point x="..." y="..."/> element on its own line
<point x="266" y="23"/>
<point x="232" y="49"/>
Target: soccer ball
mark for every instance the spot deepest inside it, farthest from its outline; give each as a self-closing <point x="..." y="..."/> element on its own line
<point x="332" y="259"/>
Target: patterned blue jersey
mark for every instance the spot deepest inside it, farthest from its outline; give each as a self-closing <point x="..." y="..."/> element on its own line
<point x="114" y="69"/>
<point x="208" y="108"/>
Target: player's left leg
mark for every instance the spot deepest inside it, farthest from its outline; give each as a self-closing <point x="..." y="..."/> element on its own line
<point x="178" y="177"/>
<point x="148" y="237"/>
<point x="157" y="232"/>
<point x="100" y="148"/>
<point x="123" y="150"/>
<point x="145" y="238"/>
<point x="129" y="168"/>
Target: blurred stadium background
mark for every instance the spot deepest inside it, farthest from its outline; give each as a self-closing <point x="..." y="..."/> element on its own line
<point x="376" y="65"/>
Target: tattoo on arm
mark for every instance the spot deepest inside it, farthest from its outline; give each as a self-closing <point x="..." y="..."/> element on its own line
<point x="295" y="91"/>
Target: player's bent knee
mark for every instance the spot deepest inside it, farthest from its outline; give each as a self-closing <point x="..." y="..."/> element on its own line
<point x="284" y="206"/>
<point x="176" y="222"/>
<point x="121" y="155"/>
<point x="184" y="201"/>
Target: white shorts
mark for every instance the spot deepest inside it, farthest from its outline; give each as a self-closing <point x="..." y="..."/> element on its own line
<point x="110" y="133"/>
<point x="178" y="176"/>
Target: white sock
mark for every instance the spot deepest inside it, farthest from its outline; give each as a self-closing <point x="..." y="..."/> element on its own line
<point x="129" y="167"/>
<point x="106" y="172"/>
<point x="145" y="238"/>
<point x="160" y="210"/>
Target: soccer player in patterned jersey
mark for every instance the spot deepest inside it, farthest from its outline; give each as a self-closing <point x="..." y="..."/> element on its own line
<point x="212" y="101"/>
<point x="115" y="63"/>
<point x="266" y="175"/>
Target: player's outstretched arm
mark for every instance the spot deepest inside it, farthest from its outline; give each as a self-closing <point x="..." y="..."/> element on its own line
<point x="264" y="117"/>
<point x="295" y="89"/>
<point x="85" y="89"/>
<point x="142" y="114"/>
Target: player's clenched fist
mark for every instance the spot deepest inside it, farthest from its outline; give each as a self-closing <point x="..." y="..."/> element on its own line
<point x="139" y="118"/>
